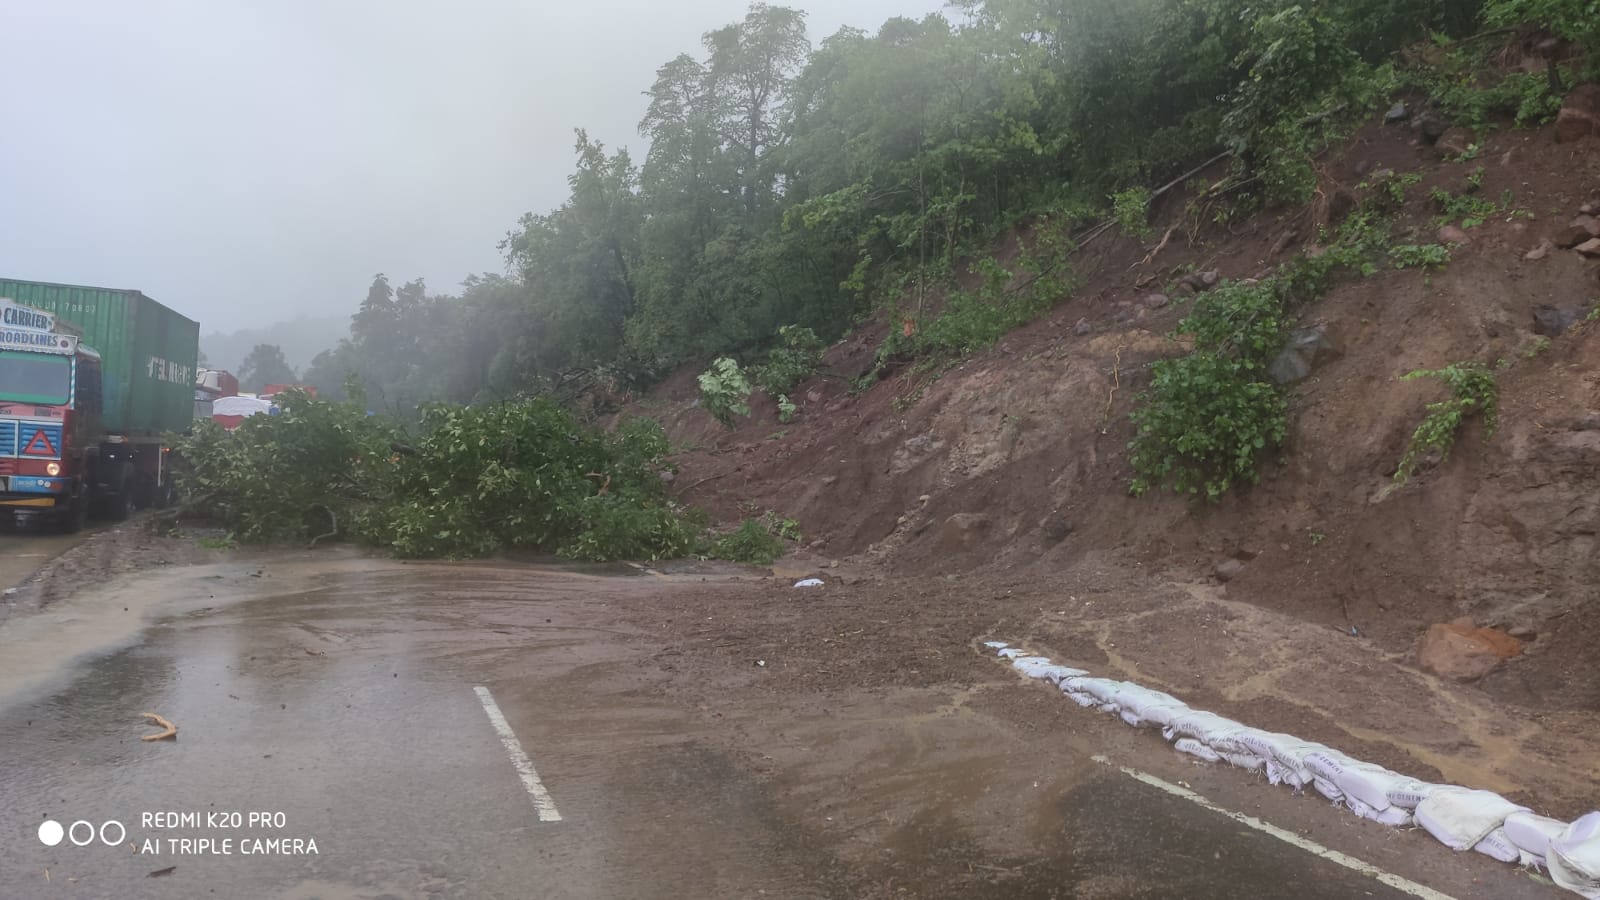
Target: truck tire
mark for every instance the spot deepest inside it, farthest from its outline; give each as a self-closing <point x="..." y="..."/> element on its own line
<point x="121" y="500"/>
<point x="71" y="519"/>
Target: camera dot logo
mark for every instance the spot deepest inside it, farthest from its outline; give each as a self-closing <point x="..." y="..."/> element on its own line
<point x="51" y="832"/>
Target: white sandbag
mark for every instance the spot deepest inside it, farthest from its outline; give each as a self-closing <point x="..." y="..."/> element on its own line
<point x="1195" y="748"/>
<point x="1326" y="764"/>
<point x="1042" y="668"/>
<point x="1327" y="788"/>
<point x="1574" y="857"/>
<point x="1278" y="773"/>
<point x="1243" y="760"/>
<point x="1368" y="782"/>
<point x="1460" y="817"/>
<point x="1532" y="833"/>
<point x="1207" y="728"/>
<point x="996" y="645"/>
<point x="1142" y="706"/>
<point x="1012" y="652"/>
<point x="1103" y="689"/>
<point x="1081" y="698"/>
<point x="809" y="582"/>
<point x="1393" y="816"/>
<point x="1408" y="793"/>
<point x="1498" y="846"/>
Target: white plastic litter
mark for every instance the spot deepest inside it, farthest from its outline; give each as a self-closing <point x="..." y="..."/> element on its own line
<point x="1459" y="817"/>
<point x="1498" y="846"/>
<point x="1574" y="857"/>
<point x="996" y="645"/>
<point x="1532" y="833"/>
<point x="809" y="582"/>
<point x="1195" y="748"/>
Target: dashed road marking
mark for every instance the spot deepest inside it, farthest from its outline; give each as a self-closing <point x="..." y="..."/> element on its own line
<point x="1289" y="837"/>
<point x="519" y="760"/>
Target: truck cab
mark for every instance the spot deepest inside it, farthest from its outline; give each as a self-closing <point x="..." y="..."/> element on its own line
<point x="55" y="458"/>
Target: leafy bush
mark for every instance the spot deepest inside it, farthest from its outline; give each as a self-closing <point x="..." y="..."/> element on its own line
<point x="752" y="542"/>
<point x="796" y="356"/>
<point x="483" y="478"/>
<point x="786" y="409"/>
<point x="1209" y="414"/>
<point x="280" y="477"/>
<point x="1472" y="391"/>
<point x="1411" y="256"/>
<point x="1131" y="209"/>
<point x="725" y="391"/>
<point x="1006" y="298"/>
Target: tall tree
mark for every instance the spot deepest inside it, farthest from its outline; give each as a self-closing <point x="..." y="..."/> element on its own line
<point x="263" y="366"/>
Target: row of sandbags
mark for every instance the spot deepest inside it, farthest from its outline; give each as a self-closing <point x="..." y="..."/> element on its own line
<point x="1460" y="818"/>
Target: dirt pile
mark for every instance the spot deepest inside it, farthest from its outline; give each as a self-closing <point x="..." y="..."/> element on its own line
<point x="1016" y="459"/>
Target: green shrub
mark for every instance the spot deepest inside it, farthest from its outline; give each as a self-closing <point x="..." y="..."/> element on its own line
<point x="752" y="542"/>
<point x="1209" y="414"/>
<point x="725" y="391"/>
<point x="796" y="356"/>
<point x="1411" y="256"/>
<point x="1131" y="209"/>
<point x="1472" y="392"/>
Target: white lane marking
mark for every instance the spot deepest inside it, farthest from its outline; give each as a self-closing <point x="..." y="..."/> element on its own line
<point x="1310" y="846"/>
<point x="519" y="760"/>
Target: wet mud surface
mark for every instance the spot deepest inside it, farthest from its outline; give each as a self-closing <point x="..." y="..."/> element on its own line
<point x="703" y="734"/>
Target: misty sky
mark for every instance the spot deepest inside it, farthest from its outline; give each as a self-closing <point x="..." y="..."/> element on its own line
<point x="248" y="161"/>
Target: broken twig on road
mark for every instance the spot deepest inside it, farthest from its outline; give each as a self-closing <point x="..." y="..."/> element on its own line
<point x="171" y="729"/>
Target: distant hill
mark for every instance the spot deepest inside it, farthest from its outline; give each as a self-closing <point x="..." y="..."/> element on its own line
<point x="300" y="339"/>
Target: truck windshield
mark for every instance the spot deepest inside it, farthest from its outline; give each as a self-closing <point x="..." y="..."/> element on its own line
<point x="35" y="377"/>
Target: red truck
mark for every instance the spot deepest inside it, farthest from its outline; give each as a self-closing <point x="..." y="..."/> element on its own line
<point x="91" y="380"/>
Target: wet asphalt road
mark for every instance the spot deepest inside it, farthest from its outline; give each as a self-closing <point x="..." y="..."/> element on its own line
<point x="340" y="706"/>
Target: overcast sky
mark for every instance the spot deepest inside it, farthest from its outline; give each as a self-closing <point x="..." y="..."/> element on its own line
<point x="248" y="161"/>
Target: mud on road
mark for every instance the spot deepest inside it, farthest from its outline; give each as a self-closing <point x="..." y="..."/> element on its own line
<point x="705" y="732"/>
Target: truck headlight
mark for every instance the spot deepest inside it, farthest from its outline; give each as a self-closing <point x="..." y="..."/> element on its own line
<point x="53" y="469"/>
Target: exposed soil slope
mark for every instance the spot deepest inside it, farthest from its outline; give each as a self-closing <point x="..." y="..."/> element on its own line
<point x="1016" y="459"/>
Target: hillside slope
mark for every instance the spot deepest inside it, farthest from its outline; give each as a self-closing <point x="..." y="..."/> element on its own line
<point x="1017" y="459"/>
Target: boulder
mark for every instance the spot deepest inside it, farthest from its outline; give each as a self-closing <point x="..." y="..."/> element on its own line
<point x="1156" y="301"/>
<point x="1454" y="142"/>
<point x="1055" y="528"/>
<point x="1450" y="234"/>
<point x="1590" y="248"/>
<point x="1539" y="252"/>
<point x="1580" y="114"/>
<point x="963" y="532"/>
<point x="1551" y="321"/>
<point x="1396" y="113"/>
<point x="1431" y="126"/>
<point x="1305" y="347"/>
<point x="1461" y="651"/>
<point x="1083" y="327"/>
<point x="1227" y="570"/>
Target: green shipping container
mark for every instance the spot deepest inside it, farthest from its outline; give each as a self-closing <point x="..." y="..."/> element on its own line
<point x="148" y="352"/>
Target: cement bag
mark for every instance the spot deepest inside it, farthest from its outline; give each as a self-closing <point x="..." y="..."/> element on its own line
<point x="1533" y="833"/>
<point x="1407" y="793"/>
<point x="1368" y="782"/>
<point x="1243" y="760"/>
<point x="1101" y="693"/>
<point x="1284" y="755"/>
<point x="1207" y="728"/>
<point x="1012" y="652"/>
<point x="1574" y="857"/>
<point x="1393" y="816"/>
<point x="1195" y="748"/>
<point x="1325" y="764"/>
<point x="1042" y="668"/>
<point x="1498" y="846"/>
<point x="1459" y="817"/>
<point x="996" y="645"/>
<point x="1142" y="706"/>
